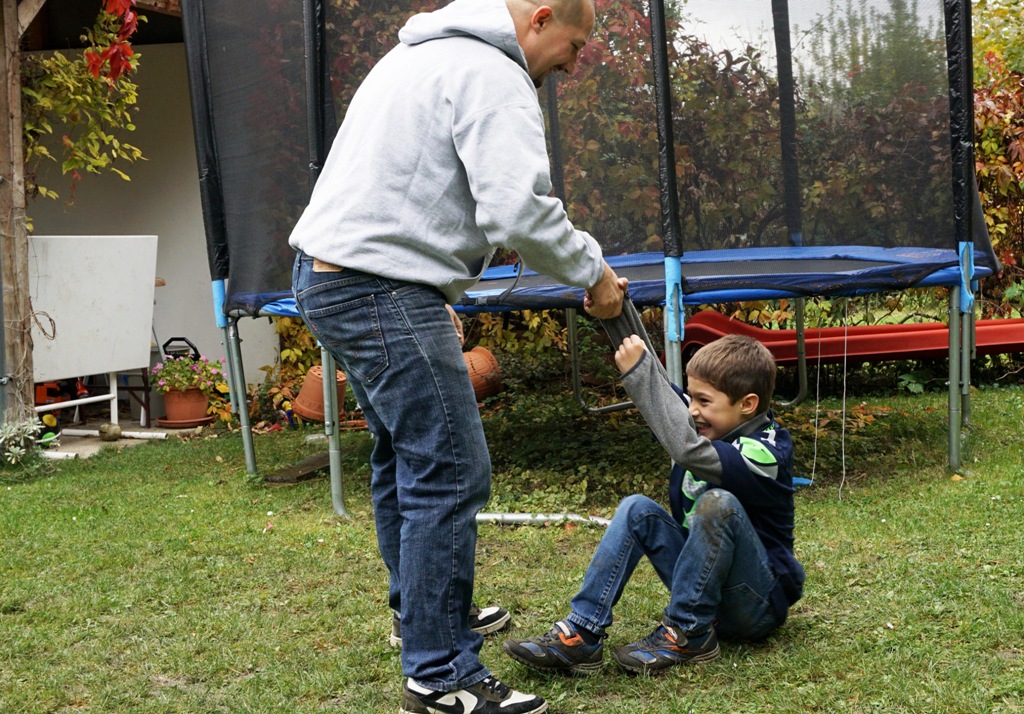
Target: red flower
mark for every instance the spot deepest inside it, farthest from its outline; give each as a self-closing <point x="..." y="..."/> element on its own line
<point x="118" y="7"/>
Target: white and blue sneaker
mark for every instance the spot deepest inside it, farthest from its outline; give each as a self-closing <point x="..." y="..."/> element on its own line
<point x="488" y="696"/>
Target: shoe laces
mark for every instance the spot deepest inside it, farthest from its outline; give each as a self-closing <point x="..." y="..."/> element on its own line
<point x="550" y="636"/>
<point x="558" y="635"/>
<point x="495" y="687"/>
<point x="659" y="638"/>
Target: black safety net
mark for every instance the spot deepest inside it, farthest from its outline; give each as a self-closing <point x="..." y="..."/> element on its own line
<point x="793" y="125"/>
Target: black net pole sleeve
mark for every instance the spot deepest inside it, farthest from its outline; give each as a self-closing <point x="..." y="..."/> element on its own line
<point x="787" y="122"/>
<point x="327" y="109"/>
<point x="210" y="187"/>
<point x="555" y="138"/>
<point x="666" y="136"/>
<point x="313" y="55"/>
<point x="961" y="111"/>
<point x="984" y="253"/>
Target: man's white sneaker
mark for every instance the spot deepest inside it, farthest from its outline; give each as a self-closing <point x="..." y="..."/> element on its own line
<point x="488" y="696"/>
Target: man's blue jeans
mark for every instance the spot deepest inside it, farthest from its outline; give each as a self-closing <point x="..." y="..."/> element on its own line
<point x="431" y="469"/>
<point x="715" y="570"/>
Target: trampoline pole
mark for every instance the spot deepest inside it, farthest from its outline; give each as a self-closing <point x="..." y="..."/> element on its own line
<point x="970" y="349"/>
<point x="673" y="355"/>
<point x="801" y="357"/>
<point x="236" y="383"/>
<point x="674" y="319"/>
<point x="236" y="375"/>
<point x="954" y="378"/>
<point x="332" y="429"/>
<point x="967" y="328"/>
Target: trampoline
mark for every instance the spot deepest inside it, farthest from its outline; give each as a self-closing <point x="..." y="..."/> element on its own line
<point x="720" y="151"/>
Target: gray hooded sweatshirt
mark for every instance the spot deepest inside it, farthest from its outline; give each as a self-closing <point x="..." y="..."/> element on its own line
<point x="441" y="159"/>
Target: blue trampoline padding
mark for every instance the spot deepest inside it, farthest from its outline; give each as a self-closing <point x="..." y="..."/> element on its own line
<point x="712" y="276"/>
<point x="738" y="275"/>
<point x="278" y="304"/>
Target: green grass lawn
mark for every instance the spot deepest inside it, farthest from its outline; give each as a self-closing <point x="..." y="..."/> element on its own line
<point x="161" y="579"/>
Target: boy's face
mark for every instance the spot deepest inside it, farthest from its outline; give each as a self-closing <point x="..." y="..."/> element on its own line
<point x="713" y="412"/>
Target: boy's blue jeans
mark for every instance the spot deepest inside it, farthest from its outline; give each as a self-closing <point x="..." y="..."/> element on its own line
<point x="716" y="569"/>
<point x="431" y="469"/>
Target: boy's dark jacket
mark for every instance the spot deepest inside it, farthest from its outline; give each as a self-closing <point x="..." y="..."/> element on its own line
<point x="754" y="462"/>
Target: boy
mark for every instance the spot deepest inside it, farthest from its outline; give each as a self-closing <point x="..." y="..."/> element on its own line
<point x="726" y="550"/>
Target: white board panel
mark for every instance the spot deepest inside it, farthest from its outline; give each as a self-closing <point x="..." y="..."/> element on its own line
<point x="98" y="290"/>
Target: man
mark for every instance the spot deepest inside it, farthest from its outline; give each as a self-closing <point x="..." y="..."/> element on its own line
<point x="440" y="160"/>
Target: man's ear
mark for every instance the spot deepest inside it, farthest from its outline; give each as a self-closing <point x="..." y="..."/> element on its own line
<point x="749" y="404"/>
<point x="541" y="17"/>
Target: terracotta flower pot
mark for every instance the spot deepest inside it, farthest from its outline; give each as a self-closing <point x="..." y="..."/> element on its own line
<point x="186" y="406"/>
<point x="310" y="402"/>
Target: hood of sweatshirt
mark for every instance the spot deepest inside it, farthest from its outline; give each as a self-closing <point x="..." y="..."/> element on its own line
<point x="487" y="20"/>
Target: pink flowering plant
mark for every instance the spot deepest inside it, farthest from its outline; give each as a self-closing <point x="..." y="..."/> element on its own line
<point x="181" y="373"/>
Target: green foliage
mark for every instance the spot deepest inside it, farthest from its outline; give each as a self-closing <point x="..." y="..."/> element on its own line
<point x="92" y="112"/>
<point x="914" y="305"/>
<point x="914" y="382"/>
<point x="298" y="349"/>
<point x="610" y="143"/>
<point x="997" y="28"/>
<point x="530" y="332"/>
<point x="17" y="441"/>
<point x="886" y="308"/>
<point x="873" y="121"/>
<point x="610" y="455"/>
<point x="1013" y="297"/>
<point x="999" y="162"/>
<point x="770" y="314"/>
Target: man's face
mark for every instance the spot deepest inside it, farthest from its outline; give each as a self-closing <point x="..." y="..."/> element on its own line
<point x="553" y="44"/>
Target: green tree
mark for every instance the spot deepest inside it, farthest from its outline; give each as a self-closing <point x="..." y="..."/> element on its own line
<point x="998" y="27"/>
<point x="874" y="130"/>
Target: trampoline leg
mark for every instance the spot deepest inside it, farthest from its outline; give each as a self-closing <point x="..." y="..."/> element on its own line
<point x="332" y="429"/>
<point x="801" y="357"/>
<point x="673" y="351"/>
<point x="954" y="378"/>
<point x="966" y="355"/>
<point x="236" y="384"/>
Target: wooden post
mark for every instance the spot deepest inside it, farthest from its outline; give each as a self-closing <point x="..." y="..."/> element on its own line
<point x="18" y="400"/>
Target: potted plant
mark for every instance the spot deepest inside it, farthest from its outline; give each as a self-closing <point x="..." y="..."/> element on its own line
<point x="187" y="384"/>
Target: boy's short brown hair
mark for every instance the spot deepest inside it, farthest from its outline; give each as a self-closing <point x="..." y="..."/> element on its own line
<point x="736" y="365"/>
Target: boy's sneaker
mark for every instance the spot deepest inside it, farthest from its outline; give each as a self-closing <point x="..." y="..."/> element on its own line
<point x="484" y="621"/>
<point x="488" y="696"/>
<point x="563" y="649"/>
<point x="664" y="648"/>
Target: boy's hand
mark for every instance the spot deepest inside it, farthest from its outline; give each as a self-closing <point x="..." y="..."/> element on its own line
<point x="629" y="353"/>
